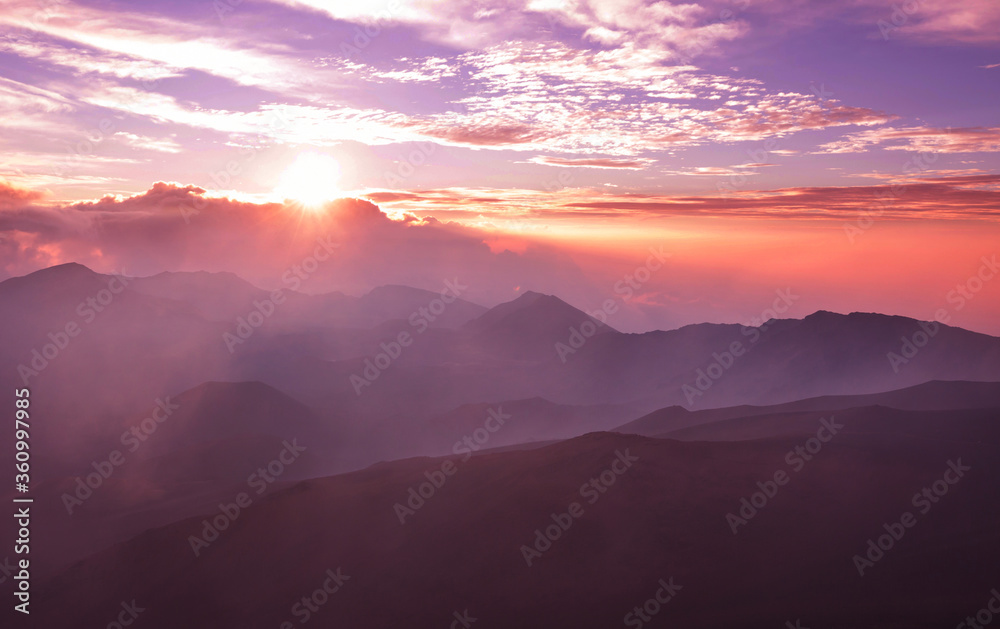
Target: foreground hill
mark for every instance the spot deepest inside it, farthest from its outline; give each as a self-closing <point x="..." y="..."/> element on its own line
<point x="661" y="514"/>
<point x="211" y="439"/>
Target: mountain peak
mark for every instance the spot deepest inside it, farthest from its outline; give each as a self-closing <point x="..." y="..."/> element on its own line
<point x="66" y="268"/>
<point x="530" y="297"/>
<point x="821" y="315"/>
<point x="63" y="275"/>
<point x="532" y="294"/>
<point x="400" y="302"/>
<point x="534" y="317"/>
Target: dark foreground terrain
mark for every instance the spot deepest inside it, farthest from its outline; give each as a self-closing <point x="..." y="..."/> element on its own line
<point x="661" y="515"/>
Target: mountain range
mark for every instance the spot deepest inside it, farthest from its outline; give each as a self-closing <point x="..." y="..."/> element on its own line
<point x="363" y="399"/>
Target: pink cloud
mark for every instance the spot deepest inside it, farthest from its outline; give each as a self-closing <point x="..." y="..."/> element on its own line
<point x="12" y="196"/>
<point x="943" y="198"/>
<point x="628" y="164"/>
<point x="929" y="139"/>
<point x="491" y="134"/>
<point x="175" y="227"/>
<point x="178" y="228"/>
<point x="962" y="197"/>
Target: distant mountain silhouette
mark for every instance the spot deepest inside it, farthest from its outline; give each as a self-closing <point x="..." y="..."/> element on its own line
<point x="225" y="296"/>
<point x="401" y="302"/>
<point x="215" y="296"/>
<point x="929" y="396"/>
<point x="532" y="309"/>
<point x="529" y="326"/>
<point x="158" y="337"/>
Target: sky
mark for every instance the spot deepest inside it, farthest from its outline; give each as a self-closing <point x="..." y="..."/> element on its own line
<point x="845" y="150"/>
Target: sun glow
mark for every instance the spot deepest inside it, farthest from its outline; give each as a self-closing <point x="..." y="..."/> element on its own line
<point x="311" y="179"/>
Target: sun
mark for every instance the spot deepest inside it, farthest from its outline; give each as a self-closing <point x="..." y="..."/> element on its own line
<point x="311" y="179"/>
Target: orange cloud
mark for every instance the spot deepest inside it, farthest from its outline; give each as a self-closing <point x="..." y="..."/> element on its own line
<point x="963" y="197"/>
<point x="12" y="196"/>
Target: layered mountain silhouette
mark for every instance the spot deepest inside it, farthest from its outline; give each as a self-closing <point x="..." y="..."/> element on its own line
<point x="200" y="381"/>
<point x="930" y="396"/>
<point x="208" y="441"/>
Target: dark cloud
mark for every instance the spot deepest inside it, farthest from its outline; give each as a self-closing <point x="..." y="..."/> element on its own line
<point x="172" y="227"/>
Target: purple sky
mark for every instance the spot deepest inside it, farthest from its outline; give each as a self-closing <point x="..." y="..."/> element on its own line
<point x="746" y="135"/>
<point x="670" y="98"/>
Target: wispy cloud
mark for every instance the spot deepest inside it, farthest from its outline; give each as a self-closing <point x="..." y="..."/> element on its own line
<point x="615" y="84"/>
<point x="84" y="60"/>
<point x="952" y="140"/>
<point x="163" y="145"/>
<point x="960" y="197"/>
<point x="597" y="162"/>
<point x="149" y="46"/>
<point x="719" y="171"/>
<point x="545" y="93"/>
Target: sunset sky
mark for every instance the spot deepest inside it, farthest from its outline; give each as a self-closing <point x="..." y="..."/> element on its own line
<point x="541" y="144"/>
